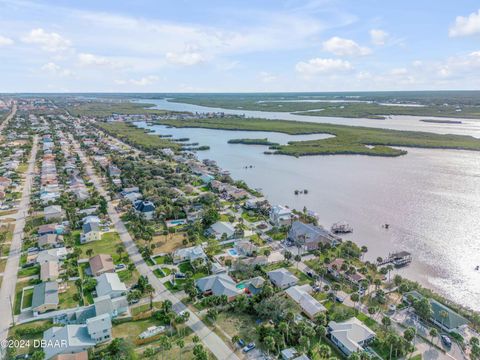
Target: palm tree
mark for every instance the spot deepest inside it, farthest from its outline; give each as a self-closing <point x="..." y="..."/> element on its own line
<point x="355" y="298"/>
<point x="444" y="315"/>
<point x="433" y="333"/>
<point x="181" y="345"/>
<point x="150" y="291"/>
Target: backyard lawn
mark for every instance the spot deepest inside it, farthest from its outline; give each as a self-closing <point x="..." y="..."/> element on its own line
<point x="67" y="299"/>
<point x="107" y="245"/>
<point x="27" y="298"/>
<point x="167" y="243"/>
<point x="130" y="330"/>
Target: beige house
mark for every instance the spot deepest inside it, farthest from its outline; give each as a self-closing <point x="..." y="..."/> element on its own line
<point x="49" y="271"/>
<point x="101" y="264"/>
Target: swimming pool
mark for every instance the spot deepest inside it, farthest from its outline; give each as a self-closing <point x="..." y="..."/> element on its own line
<point x="232" y="252"/>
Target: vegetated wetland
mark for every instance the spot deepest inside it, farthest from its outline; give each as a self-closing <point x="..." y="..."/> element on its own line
<point x="429" y="198"/>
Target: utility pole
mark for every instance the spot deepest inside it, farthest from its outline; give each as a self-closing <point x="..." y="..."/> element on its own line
<point x="11" y="307"/>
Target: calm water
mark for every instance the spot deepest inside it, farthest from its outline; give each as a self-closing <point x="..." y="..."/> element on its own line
<point x="431" y="199"/>
<point x="468" y="126"/>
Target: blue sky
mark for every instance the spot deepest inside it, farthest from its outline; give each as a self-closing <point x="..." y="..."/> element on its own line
<point x="244" y="45"/>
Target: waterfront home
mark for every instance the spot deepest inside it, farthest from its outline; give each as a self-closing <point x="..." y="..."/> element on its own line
<point x="310" y="237"/>
<point x="442" y="315"/>
<point x="189" y="254"/>
<point x="144" y="208"/>
<point x="110" y="284"/>
<point x="53" y="212"/>
<point x="220" y="228"/>
<point x="350" y="336"/>
<point x="113" y="307"/>
<point x="91" y="232"/>
<point x="49" y="271"/>
<point x="282" y="278"/>
<point x="45" y="297"/>
<point x="309" y="305"/>
<point x="280" y="216"/>
<point x="74" y="339"/>
<point x="445" y="317"/>
<point x="218" y="285"/>
<point x="245" y="248"/>
<point x="101" y="263"/>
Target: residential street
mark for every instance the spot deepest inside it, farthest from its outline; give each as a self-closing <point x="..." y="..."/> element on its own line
<point x="214" y="343"/>
<point x="7" y="292"/>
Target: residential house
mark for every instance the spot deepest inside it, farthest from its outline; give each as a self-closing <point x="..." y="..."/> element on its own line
<point x="83" y="355"/>
<point x="45" y="297"/>
<point x="49" y="271"/>
<point x="46" y="229"/>
<point x="110" y="284"/>
<point x="282" y="278"/>
<point x="100" y="328"/>
<point x="113" y="307"/>
<point x="254" y="285"/>
<point x="189" y="254"/>
<point x="310" y="237"/>
<point x="350" y="336"/>
<point x="218" y="285"/>
<point x="220" y="228"/>
<point x="91" y="232"/>
<point x="245" y="247"/>
<point x="144" y="208"/>
<point x="49" y="240"/>
<point x="280" y="216"/>
<point x="101" y="263"/>
<point x="55" y="254"/>
<point x="301" y="295"/>
<point x="70" y="339"/>
<point x="53" y="212"/>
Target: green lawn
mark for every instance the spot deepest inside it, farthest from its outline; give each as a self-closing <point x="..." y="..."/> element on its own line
<point x="30" y="271"/>
<point x="27" y="298"/>
<point x="159" y="260"/>
<point x="66" y="299"/>
<point x="107" y="245"/>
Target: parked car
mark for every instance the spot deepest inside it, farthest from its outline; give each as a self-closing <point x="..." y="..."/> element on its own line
<point x="249" y="347"/>
<point x="180" y="275"/>
<point x="446" y="340"/>
<point x="339" y="299"/>
<point x="241" y="343"/>
<point x="119" y="266"/>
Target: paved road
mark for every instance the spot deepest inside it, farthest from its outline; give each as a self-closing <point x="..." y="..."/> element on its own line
<point x="7" y="292"/>
<point x="9" y="117"/>
<point x="214" y="343"/>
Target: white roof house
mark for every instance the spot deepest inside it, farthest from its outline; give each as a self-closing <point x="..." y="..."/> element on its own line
<point x="350" y="336"/>
<point x="280" y="215"/>
<point x="100" y="328"/>
<point x="110" y="284"/>
<point x="69" y="339"/>
<point x="220" y="284"/>
<point x="282" y="278"/>
<point x="55" y="254"/>
<point x="113" y="307"/>
<point x="301" y="295"/>
<point x="222" y="227"/>
<point x="189" y="254"/>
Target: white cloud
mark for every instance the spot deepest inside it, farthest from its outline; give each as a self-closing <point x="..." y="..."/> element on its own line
<point x="53" y="68"/>
<point x="86" y="59"/>
<point x="466" y="25"/>
<point x="399" y="71"/>
<point x="266" y="77"/>
<point x="185" y="58"/>
<point x="378" y="37"/>
<point x="344" y="47"/>
<point x="5" y="41"/>
<point x="144" y="81"/>
<point x="322" y="66"/>
<point x="52" y="41"/>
